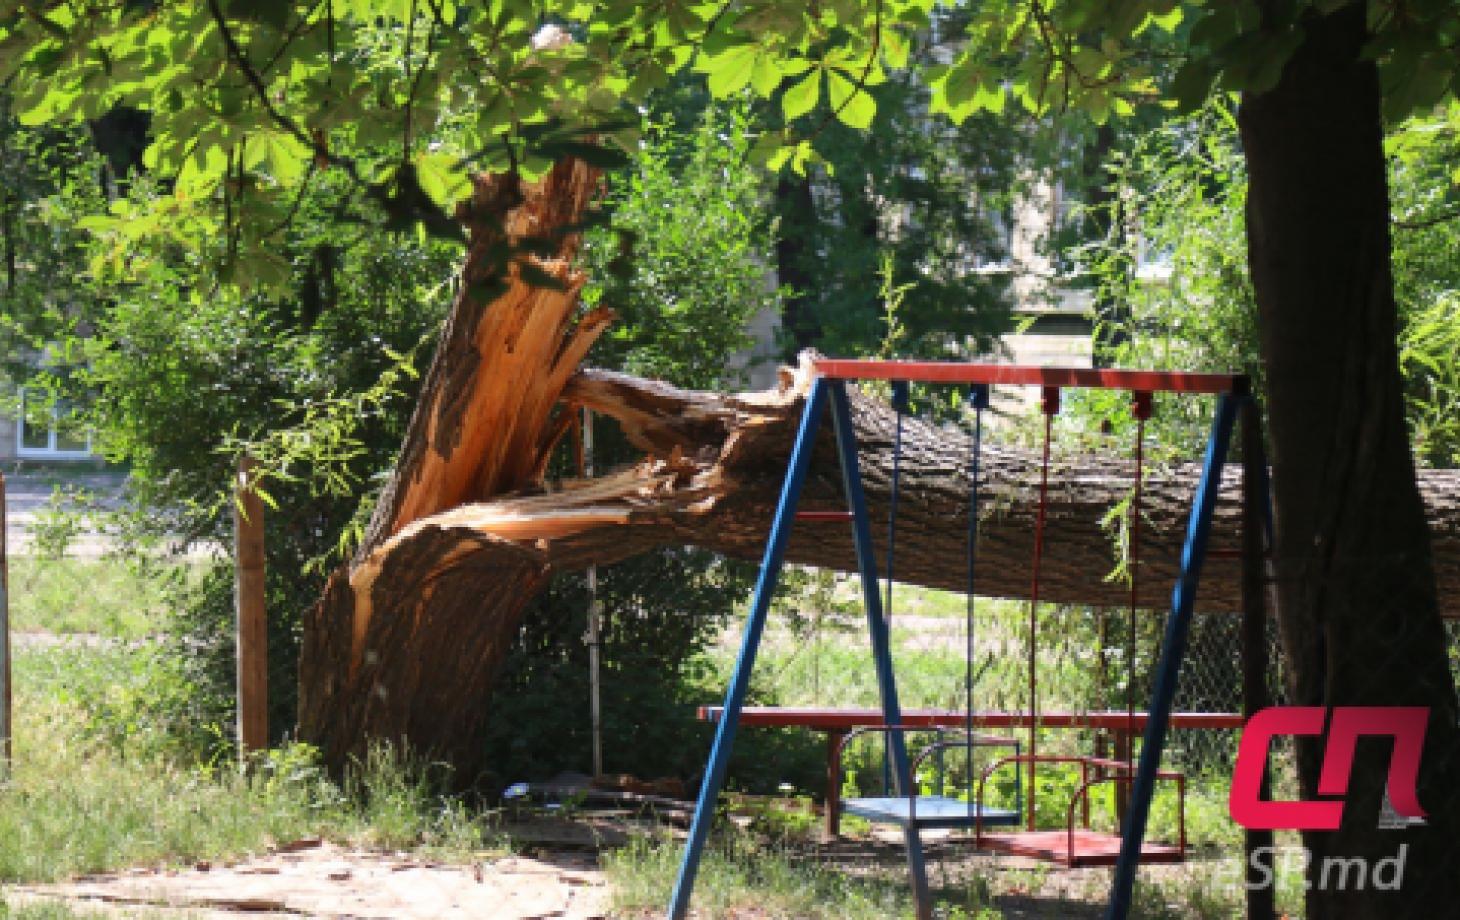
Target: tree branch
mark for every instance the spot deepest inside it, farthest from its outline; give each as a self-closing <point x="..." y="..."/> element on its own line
<point x="861" y="84"/>
<point x="235" y="52"/>
<point x="1424" y="223"/>
<point x="415" y="83"/>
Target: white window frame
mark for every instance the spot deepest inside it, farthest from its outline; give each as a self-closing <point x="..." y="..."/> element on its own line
<point x="1002" y="225"/>
<point x="1154" y="264"/>
<point x="50" y="451"/>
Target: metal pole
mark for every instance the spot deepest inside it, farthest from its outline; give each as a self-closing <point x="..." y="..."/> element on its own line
<point x="249" y="608"/>
<point x="6" y="723"/>
<point x="595" y="619"/>
<point x="765" y="589"/>
<point x="903" y="783"/>
<point x="1173" y="648"/>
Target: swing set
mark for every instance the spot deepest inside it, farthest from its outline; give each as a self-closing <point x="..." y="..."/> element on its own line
<point x="1071" y="845"/>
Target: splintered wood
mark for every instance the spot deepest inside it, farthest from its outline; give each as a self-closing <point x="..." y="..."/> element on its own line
<point x="485" y="421"/>
<point x="402" y="645"/>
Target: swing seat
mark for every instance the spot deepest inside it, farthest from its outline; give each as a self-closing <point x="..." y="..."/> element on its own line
<point x="927" y="811"/>
<point x="1076" y="848"/>
<point x="931" y="811"/>
<point x="1080" y="847"/>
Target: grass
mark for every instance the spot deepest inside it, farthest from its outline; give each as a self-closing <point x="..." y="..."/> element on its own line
<point x="105" y="778"/>
<point x="741" y="874"/>
<point x="1209" y="890"/>
<point x="60" y="910"/>
<point x="109" y="597"/>
<point x="102" y="782"/>
<point x="744" y="875"/>
<point x="92" y="794"/>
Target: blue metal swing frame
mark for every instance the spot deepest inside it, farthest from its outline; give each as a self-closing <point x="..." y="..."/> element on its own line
<point x="828" y="390"/>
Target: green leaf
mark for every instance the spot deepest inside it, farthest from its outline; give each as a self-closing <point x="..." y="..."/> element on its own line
<point x="282" y="155"/>
<point x="269" y="12"/>
<point x="731" y="70"/>
<point x="1255" y="60"/>
<point x="37" y="108"/>
<point x="958" y="84"/>
<point x="805" y="154"/>
<point x="854" y="106"/>
<point x="801" y="97"/>
<point x="765" y="77"/>
<point x="201" y="172"/>
<point x="1416" y="84"/>
<point x="442" y="177"/>
<point x="1166" y="22"/>
<point x="793" y="67"/>
<point x="895" y="49"/>
<point x="989" y="98"/>
<point x="1192" y="83"/>
<point x="261" y="269"/>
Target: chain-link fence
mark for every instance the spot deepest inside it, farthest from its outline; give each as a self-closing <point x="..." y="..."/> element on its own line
<point x="1211" y="681"/>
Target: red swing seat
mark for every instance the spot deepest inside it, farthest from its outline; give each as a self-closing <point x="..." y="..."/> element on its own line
<point x="1079" y="846"/>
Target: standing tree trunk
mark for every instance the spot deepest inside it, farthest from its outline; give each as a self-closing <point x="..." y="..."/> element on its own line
<point x="1358" y="608"/>
<point x="795" y="203"/>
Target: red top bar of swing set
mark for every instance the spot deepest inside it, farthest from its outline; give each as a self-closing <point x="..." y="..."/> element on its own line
<point x="1020" y="374"/>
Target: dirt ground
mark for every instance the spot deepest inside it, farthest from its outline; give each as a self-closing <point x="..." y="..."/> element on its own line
<point x="315" y="879"/>
<point x="554" y="874"/>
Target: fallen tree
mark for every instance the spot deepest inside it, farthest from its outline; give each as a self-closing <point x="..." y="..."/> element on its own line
<point x="405" y="643"/>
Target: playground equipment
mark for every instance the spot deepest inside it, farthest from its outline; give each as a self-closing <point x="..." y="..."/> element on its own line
<point x="836" y="722"/>
<point x="829" y="390"/>
<point x="937" y="810"/>
<point x="1071" y="846"/>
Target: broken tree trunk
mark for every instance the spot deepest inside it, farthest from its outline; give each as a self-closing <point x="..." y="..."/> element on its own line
<point x="443" y="595"/>
<point x="403" y="645"/>
<point x="716" y="464"/>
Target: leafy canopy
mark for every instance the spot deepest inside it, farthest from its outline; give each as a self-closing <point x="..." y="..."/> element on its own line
<point x="251" y="99"/>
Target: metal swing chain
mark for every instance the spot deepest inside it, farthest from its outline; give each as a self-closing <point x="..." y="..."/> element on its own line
<point x="1141" y="409"/>
<point x="900" y="404"/>
<point x="1050" y="404"/>
<point x="978" y="395"/>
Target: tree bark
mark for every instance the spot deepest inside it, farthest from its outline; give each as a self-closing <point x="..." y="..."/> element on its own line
<point x="1357" y="599"/>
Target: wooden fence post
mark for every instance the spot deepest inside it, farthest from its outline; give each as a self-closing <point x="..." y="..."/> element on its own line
<point x="6" y="721"/>
<point x="251" y="619"/>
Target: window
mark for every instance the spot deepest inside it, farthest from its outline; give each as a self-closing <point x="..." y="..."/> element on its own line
<point x="1154" y="261"/>
<point x="997" y="256"/>
<point x="58" y="436"/>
